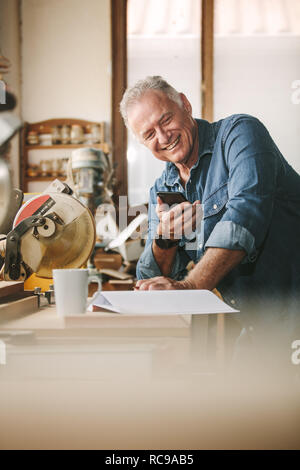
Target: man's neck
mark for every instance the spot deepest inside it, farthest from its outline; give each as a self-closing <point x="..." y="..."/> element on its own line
<point x="185" y="168"/>
<point x="184" y="173"/>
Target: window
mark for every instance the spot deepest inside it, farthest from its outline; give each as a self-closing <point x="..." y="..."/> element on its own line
<point x="186" y="22"/>
<point x="257" y="66"/>
<point x="163" y="38"/>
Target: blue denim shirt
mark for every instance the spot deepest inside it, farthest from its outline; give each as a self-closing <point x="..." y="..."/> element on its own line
<point x="251" y="201"/>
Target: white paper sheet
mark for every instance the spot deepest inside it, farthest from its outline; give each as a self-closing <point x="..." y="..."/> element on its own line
<point x="161" y="302"/>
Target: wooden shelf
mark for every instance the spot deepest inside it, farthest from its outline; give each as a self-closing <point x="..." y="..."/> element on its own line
<point x="45" y="127"/>
<point x="44" y="178"/>
<point x="103" y="146"/>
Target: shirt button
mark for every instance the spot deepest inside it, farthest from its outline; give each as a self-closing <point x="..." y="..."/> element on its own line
<point x="232" y="301"/>
<point x="215" y="206"/>
<point x="200" y="246"/>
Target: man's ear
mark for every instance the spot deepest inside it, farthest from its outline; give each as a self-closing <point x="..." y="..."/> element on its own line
<point x="186" y="104"/>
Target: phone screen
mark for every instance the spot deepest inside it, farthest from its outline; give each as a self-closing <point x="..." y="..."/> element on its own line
<point x="171" y="197"/>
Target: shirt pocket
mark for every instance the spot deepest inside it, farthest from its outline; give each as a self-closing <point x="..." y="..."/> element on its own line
<point x="213" y="204"/>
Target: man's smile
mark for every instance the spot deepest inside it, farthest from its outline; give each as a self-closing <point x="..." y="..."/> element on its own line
<point x="173" y="145"/>
<point x="166" y="128"/>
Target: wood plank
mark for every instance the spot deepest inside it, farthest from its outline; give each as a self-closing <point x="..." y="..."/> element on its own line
<point x="173" y="325"/>
<point x="103" y="146"/>
<point x="44" y="178"/>
<point x="45" y="127"/>
<point x="116" y="274"/>
<point x="119" y="84"/>
<point x="18" y="308"/>
<point x="8" y="288"/>
<point x="101" y="324"/>
<point x="207" y="58"/>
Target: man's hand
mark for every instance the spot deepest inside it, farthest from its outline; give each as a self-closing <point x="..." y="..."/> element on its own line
<point x="207" y="273"/>
<point x="181" y="220"/>
<point x="174" y="223"/>
<point x="161" y="283"/>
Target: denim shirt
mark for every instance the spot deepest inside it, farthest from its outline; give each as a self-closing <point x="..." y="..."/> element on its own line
<point x="251" y="201"/>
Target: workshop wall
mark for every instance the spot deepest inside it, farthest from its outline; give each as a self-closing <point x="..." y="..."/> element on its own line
<point x="10" y="48"/>
<point x="66" y="59"/>
<point x="61" y="60"/>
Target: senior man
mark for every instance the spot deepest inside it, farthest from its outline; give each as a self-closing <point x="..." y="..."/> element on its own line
<point x="247" y="245"/>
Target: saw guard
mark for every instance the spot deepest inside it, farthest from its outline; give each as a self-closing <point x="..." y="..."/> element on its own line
<point x="70" y="246"/>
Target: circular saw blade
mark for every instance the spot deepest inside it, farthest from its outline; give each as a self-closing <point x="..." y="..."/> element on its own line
<point x="71" y="244"/>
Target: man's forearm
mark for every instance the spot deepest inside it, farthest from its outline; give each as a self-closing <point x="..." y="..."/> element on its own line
<point x="164" y="258"/>
<point x="215" y="264"/>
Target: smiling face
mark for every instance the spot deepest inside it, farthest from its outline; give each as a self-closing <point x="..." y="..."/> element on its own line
<point x="165" y="128"/>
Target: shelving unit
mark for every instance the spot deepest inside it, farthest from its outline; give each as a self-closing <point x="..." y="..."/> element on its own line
<point x="33" y="154"/>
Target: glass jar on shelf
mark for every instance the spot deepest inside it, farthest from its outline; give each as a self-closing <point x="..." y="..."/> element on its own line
<point x="32" y="138"/>
<point x="95" y="134"/>
<point x="56" y="166"/>
<point x="32" y="171"/>
<point x="63" y="167"/>
<point x="55" y="135"/>
<point x="65" y="134"/>
<point x="77" y="135"/>
<point x="45" y="167"/>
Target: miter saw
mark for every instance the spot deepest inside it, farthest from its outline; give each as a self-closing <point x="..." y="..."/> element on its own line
<point x="50" y="231"/>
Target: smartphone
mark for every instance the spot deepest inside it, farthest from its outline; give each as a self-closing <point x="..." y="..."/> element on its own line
<point x="171" y="197"/>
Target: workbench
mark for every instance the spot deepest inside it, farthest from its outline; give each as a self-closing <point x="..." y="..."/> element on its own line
<point x="104" y="345"/>
<point x="109" y="381"/>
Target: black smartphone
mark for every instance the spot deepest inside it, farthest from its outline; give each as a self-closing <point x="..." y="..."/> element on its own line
<point x="171" y="197"/>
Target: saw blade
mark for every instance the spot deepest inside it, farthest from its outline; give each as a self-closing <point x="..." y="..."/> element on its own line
<point x="69" y="246"/>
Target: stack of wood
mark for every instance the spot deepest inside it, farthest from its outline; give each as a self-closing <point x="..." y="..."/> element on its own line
<point x="116" y="274"/>
<point x="15" y="302"/>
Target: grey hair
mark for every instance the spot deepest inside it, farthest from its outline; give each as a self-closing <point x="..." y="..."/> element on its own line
<point x="134" y="93"/>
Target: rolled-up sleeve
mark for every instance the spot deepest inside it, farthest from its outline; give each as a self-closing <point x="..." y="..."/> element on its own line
<point x="253" y="163"/>
<point x="147" y="266"/>
<point x="227" y="234"/>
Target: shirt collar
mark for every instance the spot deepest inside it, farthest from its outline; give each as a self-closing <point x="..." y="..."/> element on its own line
<point x="206" y="145"/>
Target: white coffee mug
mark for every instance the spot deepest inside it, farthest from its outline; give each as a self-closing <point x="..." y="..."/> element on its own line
<point x="71" y="290"/>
